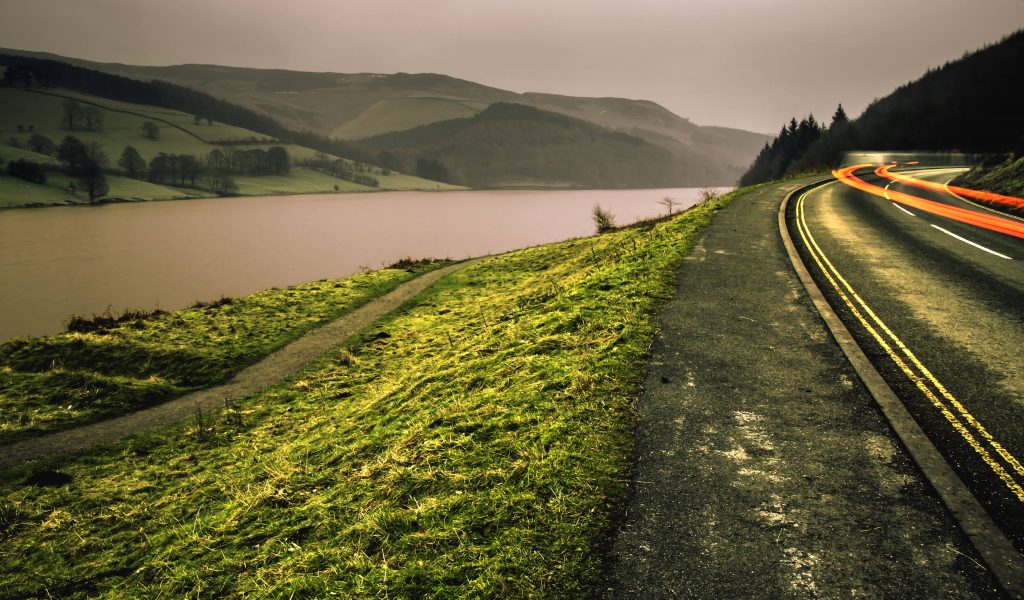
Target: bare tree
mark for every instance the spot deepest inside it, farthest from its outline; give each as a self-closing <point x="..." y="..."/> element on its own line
<point x="93" y="118"/>
<point x="72" y="114"/>
<point x="669" y="203"/>
<point x="707" y="194"/>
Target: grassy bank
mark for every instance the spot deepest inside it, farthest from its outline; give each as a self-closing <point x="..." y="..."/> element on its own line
<point x="1000" y="175"/>
<point x="105" y="368"/>
<point x="473" y="445"/>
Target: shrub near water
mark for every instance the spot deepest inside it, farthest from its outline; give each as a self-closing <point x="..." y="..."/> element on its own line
<point x="108" y="365"/>
<point x="474" y="445"/>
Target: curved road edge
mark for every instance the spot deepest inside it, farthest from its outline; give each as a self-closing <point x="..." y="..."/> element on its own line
<point x="995" y="549"/>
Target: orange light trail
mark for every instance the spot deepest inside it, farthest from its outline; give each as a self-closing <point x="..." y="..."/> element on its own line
<point x="938" y="187"/>
<point x="985" y="221"/>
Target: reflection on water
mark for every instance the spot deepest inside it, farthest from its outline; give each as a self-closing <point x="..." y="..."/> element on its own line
<point x="55" y="262"/>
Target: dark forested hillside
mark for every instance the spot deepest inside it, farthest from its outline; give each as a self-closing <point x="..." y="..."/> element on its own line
<point x="513" y="144"/>
<point x="970" y="105"/>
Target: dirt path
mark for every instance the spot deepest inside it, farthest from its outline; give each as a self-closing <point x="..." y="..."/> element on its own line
<point x="255" y="378"/>
<point x="763" y="467"/>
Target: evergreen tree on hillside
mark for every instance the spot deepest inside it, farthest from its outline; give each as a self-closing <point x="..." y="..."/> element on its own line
<point x="775" y="158"/>
<point x="839" y="118"/>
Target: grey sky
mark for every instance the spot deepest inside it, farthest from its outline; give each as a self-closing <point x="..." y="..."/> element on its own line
<point x="741" y="63"/>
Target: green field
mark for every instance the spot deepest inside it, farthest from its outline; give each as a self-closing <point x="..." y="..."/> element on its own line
<point x="473" y="444"/>
<point x="215" y="132"/>
<point x="43" y="112"/>
<point x="123" y="127"/>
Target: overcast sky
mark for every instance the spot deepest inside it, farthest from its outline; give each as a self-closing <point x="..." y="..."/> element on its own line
<point x="740" y="63"/>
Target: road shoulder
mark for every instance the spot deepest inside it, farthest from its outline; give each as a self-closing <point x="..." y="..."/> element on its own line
<point x="763" y="467"/>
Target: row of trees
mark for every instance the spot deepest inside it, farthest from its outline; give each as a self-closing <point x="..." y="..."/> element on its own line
<point x="27" y="170"/>
<point x="214" y="170"/>
<point x="356" y="172"/>
<point x="273" y="161"/>
<point x="778" y="156"/>
<point x="77" y="115"/>
<point x="87" y="163"/>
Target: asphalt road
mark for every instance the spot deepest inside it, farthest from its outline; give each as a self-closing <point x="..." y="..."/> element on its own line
<point x="938" y="306"/>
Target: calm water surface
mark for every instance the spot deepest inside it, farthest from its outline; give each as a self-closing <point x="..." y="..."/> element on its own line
<point x="55" y="262"/>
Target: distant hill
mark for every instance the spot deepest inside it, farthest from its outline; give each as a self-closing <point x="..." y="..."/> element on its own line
<point x="970" y="105"/>
<point x="364" y="105"/>
<point x="514" y="145"/>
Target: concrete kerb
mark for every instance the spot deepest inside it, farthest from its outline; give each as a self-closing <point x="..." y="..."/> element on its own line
<point x="999" y="554"/>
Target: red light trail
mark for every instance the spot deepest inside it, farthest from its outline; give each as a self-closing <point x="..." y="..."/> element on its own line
<point x="885" y="172"/>
<point x="985" y="221"/>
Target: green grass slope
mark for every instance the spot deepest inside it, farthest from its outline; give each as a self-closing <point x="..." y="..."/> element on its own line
<point x="474" y="444"/>
<point x="1003" y="175"/>
<point x="51" y="383"/>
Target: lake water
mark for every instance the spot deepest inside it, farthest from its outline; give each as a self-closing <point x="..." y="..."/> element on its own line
<point x="55" y="262"/>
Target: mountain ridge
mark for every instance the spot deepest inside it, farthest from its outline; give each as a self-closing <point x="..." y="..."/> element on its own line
<point x="357" y="106"/>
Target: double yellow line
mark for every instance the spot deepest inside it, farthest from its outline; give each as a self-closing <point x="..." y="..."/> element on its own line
<point x="999" y="459"/>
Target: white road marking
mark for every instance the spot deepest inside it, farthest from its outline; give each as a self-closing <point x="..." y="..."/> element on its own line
<point x="967" y="241"/>
<point x="886" y="192"/>
<point x="903" y="209"/>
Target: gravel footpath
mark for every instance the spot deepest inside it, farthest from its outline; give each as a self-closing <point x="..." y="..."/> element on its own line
<point x="763" y="468"/>
<point x="268" y="372"/>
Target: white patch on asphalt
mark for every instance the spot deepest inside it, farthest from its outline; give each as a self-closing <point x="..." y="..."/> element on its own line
<point x="882" y="451"/>
<point x="758" y="470"/>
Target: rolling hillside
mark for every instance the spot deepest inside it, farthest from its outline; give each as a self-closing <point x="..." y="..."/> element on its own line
<point x="517" y="145"/>
<point x="24" y="113"/>
<point x="363" y="105"/>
